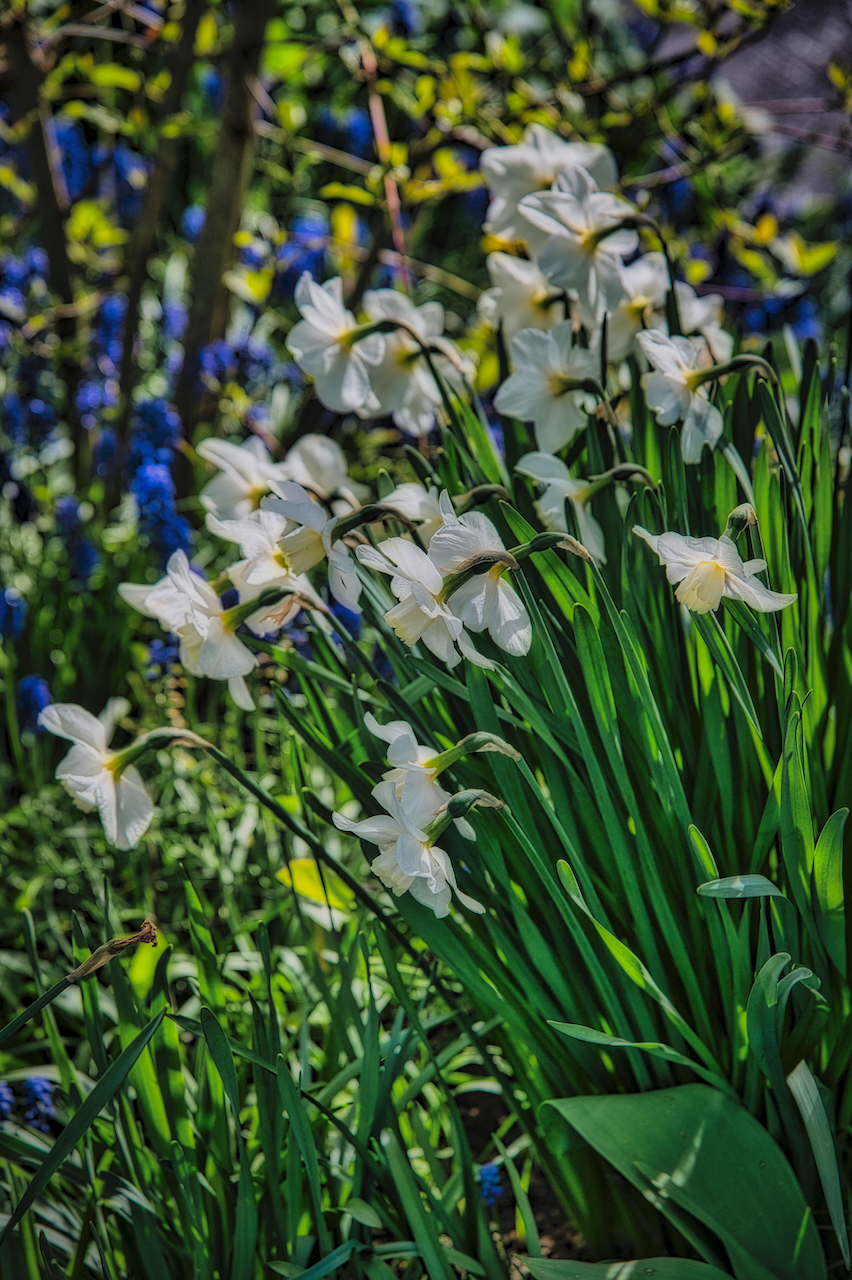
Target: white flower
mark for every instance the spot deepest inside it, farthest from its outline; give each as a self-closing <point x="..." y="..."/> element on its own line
<point x="533" y="165"/>
<point x="521" y="297"/>
<point x="264" y="565"/>
<point x="579" y="257"/>
<point x="246" y="471"/>
<point x="486" y="602"/>
<point x="406" y="756"/>
<point x="326" y="344"/>
<point x="94" y="776"/>
<point x="420" y="614"/>
<point x="417" y="504"/>
<point x="673" y="391"/>
<point x="312" y="541"/>
<point x="704" y="315"/>
<point x="543" y="389"/>
<point x="559" y="484"/>
<point x="709" y="568"/>
<point x="318" y="464"/>
<point x="645" y="283"/>
<point x="403" y="382"/>
<point x="208" y="643"/>
<point x="408" y="861"/>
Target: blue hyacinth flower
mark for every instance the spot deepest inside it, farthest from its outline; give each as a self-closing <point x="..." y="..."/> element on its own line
<point x="33" y="697"/>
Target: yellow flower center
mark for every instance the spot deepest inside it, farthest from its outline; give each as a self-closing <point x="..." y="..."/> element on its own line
<point x="559" y="384"/>
<point x="703" y="587"/>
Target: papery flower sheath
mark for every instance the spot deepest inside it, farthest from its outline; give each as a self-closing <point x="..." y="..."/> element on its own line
<point x="94" y="776"/>
<point x="708" y="569"/>
<point x="673" y="389"/>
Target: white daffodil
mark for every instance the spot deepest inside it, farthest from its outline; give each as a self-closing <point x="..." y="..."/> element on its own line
<point x="264" y="565"/>
<point x="710" y="568"/>
<point x="161" y="600"/>
<point x="645" y="283"/>
<point x="673" y="390"/>
<point x="580" y="256"/>
<point x="559" y="484"/>
<point x="545" y="387"/>
<point x="420" y="614"/>
<point x="96" y="777"/>
<point x="704" y="315"/>
<point x="327" y="344"/>
<point x="408" y="861"/>
<point x="419" y="505"/>
<point x="486" y="602"/>
<point x="522" y="297"/>
<point x="318" y="464"/>
<point x="403" y="382"/>
<point x="208" y="643"/>
<point x="406" y="755"/>
<point x="311" y="541"/>
<point x="534" y="165"/>
<point x="246" y="471"/>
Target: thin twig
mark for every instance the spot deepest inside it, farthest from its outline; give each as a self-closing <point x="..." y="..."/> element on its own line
<point x="311" y="148"/>
<point x="437" y="274"/>
<point x="383" y="147"/>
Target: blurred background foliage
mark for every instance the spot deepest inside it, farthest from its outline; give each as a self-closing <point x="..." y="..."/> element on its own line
<point x="167" y="171"/>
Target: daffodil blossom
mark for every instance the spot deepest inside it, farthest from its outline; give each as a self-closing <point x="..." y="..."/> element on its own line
<point x="208" y="643"/>
<point x="94" y="776"/>
<point x="312" y="540"/>
<point x="318" y="464"/>
<point x="580" y="256"/>
<point x="522" y="297"/>
<point x="420" y="614"/>
<point x="408" y="862"/>
<point x="419" y="505"/>
<point x="246" y="472"/>
<point x="704" y="316"/>
<point x="534" y="164"/>
<point x="559" y="484"/>
<point x="406" y="755"/>
<point x="544" y="389"/>
<point x="673" y="390"/>
<point x="403" y="381"/>
<point x="486" y="602"/>
<point x="327" y="344"/>
<point x="264" y="565"/>
<point x="708" y="569"/>
<point x="645" y="283"/>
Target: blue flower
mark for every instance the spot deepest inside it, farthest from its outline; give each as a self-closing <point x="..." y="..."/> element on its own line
<point x="105" y="453"/>
<point x="174" y="320"/>
<point x="156" y="432"/>
<point x="192" y="222"/>
<point x="131" y="171"/>
<point x="108" y="332"/>
<point x="353" y="622"/>
<point x="39" y="1097"/>
<point x="304" y="250"/>
<point x="13" y="613"/>
<point x="382" y="663"/>
<point x="349" y="131"/>
<point x="212" y="85"/>
<point x="7" y="1100"/>
<point x="162" y="654"/>
<point x="405" y="18"/>
<point x="76" y="161"/>
<point x="807" y="325"/>
<point x="82" y="553"/>
<point x="33" y="697"/>
<point x="154" y="491"/>
<point x="490" y="1183"/>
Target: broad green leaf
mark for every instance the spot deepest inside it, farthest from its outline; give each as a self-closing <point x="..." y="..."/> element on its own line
<point x="300" y="1129"/>
<point x="806" y="1096"/>
<point x="828" y="882"/>
<point x="695" y="1150"/>
<point x="363" y="1212"/>
<point x="303" y="875"/>
<point x="745" y="886"/>
<point x="797" y="822"/>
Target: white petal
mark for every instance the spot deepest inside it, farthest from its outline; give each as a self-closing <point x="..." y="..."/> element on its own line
<point x="222" y="655"/>
<point x="67" y="720"/>
<point x="239" y="691"/>
<point x="116" y="709"/>
<point x="703" y="425"/>
<point x="134" y="808"/>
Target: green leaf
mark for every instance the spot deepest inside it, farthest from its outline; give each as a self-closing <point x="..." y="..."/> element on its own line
<point x="363" y="1212"/>
<point x="694" y="1150"/>
<point x="655" y="1048"/>
<point x="746" y="886"/>
<point x="112" y="75"/>
<point x="638" y="1269"/>
<point x="324" y="1267"/>
<point x="806" y="1095"/>
<point x="83" y="1118"/>
<point x="828" y="882"/>
<point x="301" y="1130"/>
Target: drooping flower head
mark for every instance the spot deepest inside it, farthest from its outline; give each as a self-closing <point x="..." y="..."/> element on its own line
<point x="674" y="390"/>
<point x="708" y="569"/>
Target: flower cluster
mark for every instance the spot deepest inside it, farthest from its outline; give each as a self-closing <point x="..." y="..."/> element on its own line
<point x="38" y="1099"/>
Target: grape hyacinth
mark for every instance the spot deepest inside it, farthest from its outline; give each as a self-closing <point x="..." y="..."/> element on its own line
<point x="40" y="1108"/>
<point x="490" y="1184"/>
<point x="76" y="161"/>
<point x="192" y="222"/>
<point x="13" y="613"/>
<point x="7" y="1100"/>
<point x="82" y="552"/>
<point x="303" y="250"/>
<point x="154" y="490"/>
<point x="33" y="697"/>
<point x="162" y="654"/>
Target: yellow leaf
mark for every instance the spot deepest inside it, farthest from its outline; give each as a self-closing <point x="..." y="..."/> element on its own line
<point x="206" y="35"/>
<point x="766" y="228"/>
<point x="341" y="191"/>
<point x="111" y="75"/>
<point x="303" y="876"/>
<point x="251" y="286"/>
<point x="706" y="42"/>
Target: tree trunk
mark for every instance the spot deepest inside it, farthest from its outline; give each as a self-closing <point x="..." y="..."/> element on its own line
<point x="230" y="172"/>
